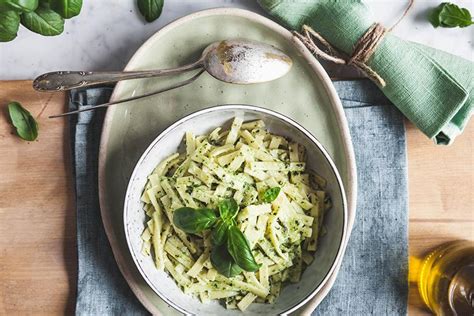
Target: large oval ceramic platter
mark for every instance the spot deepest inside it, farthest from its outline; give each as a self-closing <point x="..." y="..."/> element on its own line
<point x="305" y="94"/>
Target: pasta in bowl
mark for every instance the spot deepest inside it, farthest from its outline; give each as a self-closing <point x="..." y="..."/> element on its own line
<point x="231" y="218"/>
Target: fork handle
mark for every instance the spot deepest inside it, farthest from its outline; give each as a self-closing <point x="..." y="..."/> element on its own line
<point x="67" y="80"/>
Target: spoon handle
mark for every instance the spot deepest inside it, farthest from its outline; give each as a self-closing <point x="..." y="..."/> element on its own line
<point x="104" y="105"/>
<point x="67" y="80"/>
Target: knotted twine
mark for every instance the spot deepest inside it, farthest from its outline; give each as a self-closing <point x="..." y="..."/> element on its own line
<point x="363" y="50"/>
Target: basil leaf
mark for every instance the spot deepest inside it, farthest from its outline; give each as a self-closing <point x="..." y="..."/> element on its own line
<point x="9" y="23"/>
<point x="239" y="249"/>
<point x="43" y="21"/>
<point x="19" y="5"/>
<point x="433" y="16"/>
<point x="271" y="194"/>
<point x="228" y="209"/>
<point x="150" y="9"/>
<point x="66" y="8"/>
<point x="224" y="264"/>
<point x="194" y="220"/>
<point x="219" y="233"/>
<point x="25" y="124"/>
<point x="450" y="15"/>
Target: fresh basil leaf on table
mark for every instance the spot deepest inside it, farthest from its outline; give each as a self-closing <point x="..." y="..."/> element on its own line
<point x="194" y="221"/>
<point x="66" y="8"/>
<point x="43" y="21"/>
<point x="239" y="249"/>
<point x="9" y="23"/>
<point x="19" y="5"/>
<point x="26" y="126"/>
<point x="228" y="209"/>
<point x="222" y="261"/>
<point x="450" y="15"/>
<point x="219" y="233"/>
<point x="150" y="9"/>
<point x="271" y="194"/>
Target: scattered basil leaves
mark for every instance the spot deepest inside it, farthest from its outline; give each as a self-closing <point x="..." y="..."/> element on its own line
<point x="222" y="261"/>
<point x="26" y="126"/>
<point x="9" y="23"/>
<point x="43" y="21"/>
<point x="219" y="233"/>
<point x="228" y="209"/>
<point x="18" y="5"/>
<point x="271" y="194"/>
<point x="150" y="9"/>
<point x="193" y="220"/>
<point x="239" y="248"/>
<point x="66" y="8"/>
<point x="450" y="15"/>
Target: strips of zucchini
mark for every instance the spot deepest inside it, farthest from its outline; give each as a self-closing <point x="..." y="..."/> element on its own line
<point x="257" y="290"/>
<point x="234" y="131"/>
<point x="314" y="212"/>
<point x="246" y="301"/>
<point x="164" y="165"/>
<point x="198" y="265"/>
<point x="190" y="141"/>
<point x="181" y="279"/>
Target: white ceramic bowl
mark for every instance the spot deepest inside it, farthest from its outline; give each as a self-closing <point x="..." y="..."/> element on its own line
<point x="330" y="247"/>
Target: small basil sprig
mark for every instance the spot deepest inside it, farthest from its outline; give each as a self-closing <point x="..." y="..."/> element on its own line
<point x="150" y="9"/>
<point x="45" y="17"/>
<point x="219" y="233"/>
<point x="450" y="15"/>
<point x="231" y="251"/>
<point x="239" y="248"/>
<point x="194" y="221"/>
<point x="270" y="194"/>
<point x="26" y="126"/>
<point x="228" y="210"/>
<point x="223" y="262"/>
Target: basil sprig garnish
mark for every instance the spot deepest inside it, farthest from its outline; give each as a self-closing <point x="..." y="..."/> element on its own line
<point x="194" y="221"/>
<point x="219" y="233"/>
<point x="240" y="251"/>
<point x="231" y="251"/>
<point x="223" y="262"/>
<point x="228" y="209"/>
<point x="270" y="194"/>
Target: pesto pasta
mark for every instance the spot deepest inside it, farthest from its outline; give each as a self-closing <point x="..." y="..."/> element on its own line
<point x="281" y="206"/>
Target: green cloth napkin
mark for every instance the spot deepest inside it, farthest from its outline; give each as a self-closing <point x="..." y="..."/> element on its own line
<point x="433" y="89"/>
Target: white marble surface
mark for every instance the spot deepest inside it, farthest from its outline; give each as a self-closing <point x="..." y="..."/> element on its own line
<point x="107" y="33"/>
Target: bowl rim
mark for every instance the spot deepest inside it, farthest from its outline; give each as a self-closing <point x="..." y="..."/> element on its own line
<point x="244" y="107"/>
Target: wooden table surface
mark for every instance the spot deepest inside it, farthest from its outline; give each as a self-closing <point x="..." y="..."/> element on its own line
<point x="37" y="214"/>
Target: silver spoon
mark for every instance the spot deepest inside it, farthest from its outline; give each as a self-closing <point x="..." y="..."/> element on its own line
<point x="234" y="61"/>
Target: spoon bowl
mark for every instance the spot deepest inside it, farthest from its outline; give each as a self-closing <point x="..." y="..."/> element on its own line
<point x="245" y="62"/>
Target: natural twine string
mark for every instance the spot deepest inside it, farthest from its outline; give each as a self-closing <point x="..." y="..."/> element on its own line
<point x="363" y="50"/>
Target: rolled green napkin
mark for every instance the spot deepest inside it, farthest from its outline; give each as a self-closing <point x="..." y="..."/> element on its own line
<point x="433" y="89"/>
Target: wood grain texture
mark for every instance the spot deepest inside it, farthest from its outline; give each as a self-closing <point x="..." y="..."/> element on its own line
<point x="440" y="182"/>
<point x="37" y="214"/>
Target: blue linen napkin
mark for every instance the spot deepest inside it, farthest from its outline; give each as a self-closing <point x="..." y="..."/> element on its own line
<point x="373" y="275"/>
<point x="101" y="289"/>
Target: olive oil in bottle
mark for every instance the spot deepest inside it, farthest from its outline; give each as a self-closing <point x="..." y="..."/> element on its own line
<point x="446" y="279"/>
